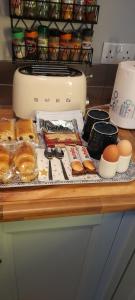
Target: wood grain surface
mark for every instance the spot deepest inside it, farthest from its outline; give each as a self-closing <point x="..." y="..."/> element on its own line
<point x="67" y="200"/>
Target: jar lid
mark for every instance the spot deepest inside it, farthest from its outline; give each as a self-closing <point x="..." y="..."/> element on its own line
<point x="43" y="30"/>
<point x="66" y="36"/>
<point x="18" y="33"/>
<point x="31" y="33"/>
<point x="87" y="32"/>
<point x="77" y="34"/>
<point x="54" y="32"/>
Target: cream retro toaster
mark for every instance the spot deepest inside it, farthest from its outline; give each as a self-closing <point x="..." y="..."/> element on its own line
<point x="48" y="87"/>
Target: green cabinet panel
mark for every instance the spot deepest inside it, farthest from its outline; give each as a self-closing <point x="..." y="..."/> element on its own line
<point x="57" y="259"/>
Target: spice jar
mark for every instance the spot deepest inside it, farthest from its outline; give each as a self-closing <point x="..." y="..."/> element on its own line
<point x="67" y="9"/>
<point x="53" y="44"/>
<point x="42" y="42"/>
<point x="30" y="8"/>
<point x="31" y="38"/>
<point x="43" y="8"/>
<point x="16" y="7"/>
<point x="18" y="43"/>
<point x="86" y="44"/>
<point x="55" y="6"/>
<point x="90" y="11"/>
<point x="79" y="10"/>
<point x="65" y="45"/>
<point x="76" y="46"/>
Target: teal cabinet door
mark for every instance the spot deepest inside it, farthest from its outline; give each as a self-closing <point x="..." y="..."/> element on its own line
<point x="61" y="259"/>
<point x="118" y="278"/>
<point x="125" y="289"/>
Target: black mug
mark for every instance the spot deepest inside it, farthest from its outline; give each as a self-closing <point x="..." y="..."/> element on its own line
<point x="93" y="115"/>
<point x="102" y="135"/>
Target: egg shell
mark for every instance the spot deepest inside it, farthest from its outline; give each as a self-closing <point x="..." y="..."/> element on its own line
<point x="111" y="153"/>
<point x="124" y="148"/>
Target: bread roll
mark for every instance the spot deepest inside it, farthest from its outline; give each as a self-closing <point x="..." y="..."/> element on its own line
<point x="24" y="151"/>
<point x="5" y="173"/>
<point x="25" y="130"/>
<point x="26" y="165"/>
<point x="7" y="130"/>
<point x="28" y="177"/>
<point x="25" y="162"/>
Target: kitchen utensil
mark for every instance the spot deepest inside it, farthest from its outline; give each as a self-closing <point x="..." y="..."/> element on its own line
<point x="58" y="152"/>
<point x="49" y="155"/>
<point x="48" y="87"/>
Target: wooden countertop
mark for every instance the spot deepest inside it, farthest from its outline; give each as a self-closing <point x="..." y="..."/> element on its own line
<point x="54" y="201"/>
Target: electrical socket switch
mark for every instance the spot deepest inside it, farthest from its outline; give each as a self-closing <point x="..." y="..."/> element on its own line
<point x="113" y="53"/>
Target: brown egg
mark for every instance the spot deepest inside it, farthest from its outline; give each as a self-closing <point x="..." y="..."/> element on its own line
<point x="111" y="153"/>
<point x="124" y="148"/>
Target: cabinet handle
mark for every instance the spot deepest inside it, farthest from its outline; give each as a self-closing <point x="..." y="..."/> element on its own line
<point x="0" y="261"/>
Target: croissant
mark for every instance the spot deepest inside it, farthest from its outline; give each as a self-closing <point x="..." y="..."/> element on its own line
<point x="25" y="162"/>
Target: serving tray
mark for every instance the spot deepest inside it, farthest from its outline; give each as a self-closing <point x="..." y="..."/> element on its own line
<point x="58" y="177"/>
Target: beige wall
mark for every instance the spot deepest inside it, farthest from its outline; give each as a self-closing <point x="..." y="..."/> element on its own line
<point x="116" y="24"/>
<point x="5" y="34"/>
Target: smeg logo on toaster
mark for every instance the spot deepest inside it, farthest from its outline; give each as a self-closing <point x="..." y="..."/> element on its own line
<point x="68" y="100"/>
<point x="37" y="100"/>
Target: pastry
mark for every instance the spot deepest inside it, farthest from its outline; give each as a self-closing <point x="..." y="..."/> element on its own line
<point x="25" y="162"/>
<point x="7" y="130"/>
<point x="25" y="130"/>
<point x="77" y="168"/>
<point x="5" y="173"/>
<point x="89" y="166"/>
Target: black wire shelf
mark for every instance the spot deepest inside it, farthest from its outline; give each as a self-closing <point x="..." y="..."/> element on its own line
<point x="56" y="11"/>
<point x="51" y="54"/>
<point x="57" y="14"/>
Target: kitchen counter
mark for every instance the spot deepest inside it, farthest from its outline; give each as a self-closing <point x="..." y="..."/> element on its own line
<point x="67" y="200"/>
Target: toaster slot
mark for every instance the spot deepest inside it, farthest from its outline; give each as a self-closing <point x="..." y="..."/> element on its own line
<point x="49" y="70"/>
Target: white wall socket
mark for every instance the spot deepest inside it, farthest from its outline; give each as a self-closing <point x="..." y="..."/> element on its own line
<point x="113" y="53"/>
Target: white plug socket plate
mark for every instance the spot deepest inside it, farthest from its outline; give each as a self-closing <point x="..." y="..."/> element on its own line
<point x="113" y="53"/>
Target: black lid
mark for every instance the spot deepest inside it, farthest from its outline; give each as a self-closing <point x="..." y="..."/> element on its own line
<point x="77" y="34"/>
<point x="87" y="32"/>
<point x="54" y="32"/>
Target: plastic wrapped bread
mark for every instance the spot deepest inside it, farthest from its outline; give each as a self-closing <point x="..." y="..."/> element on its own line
<point x="5" y="165"/>
<point x="25" y="162"/>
